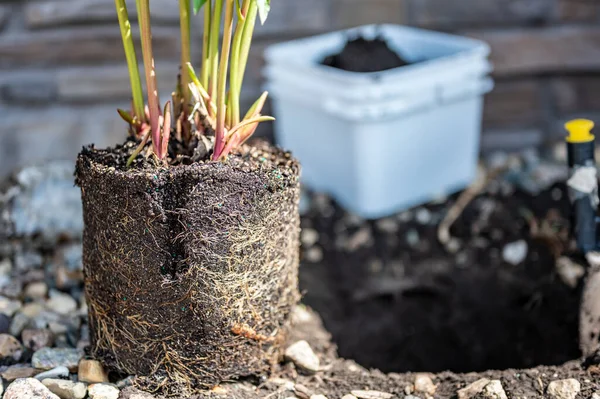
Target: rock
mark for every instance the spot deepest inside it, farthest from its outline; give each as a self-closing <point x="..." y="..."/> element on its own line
<point x="103" y="391"/>
<point x="371" y="395"/>
<point x="57" y="328"/>
<point x="569" y="272"/>
<point x="10" y="347"/>
<point x="412" y="238"/>
<point x="388" y="225"/>
<point x="57" y="372"/>
<point x="564" y="389"/>
<point x="515" y="252"/>
<point x="36" y="290"/>
<point x="32" y="309"/>
<point x="71" y="256"/>
<point x="134" y="393"/>
<point x="309" y="237"/>
<point x="423" y="216"/>
<point x="423" y="383"/>
<point x="596" y="395"/>
<point x="318" y="397"/>
<point x="472" y="389"/>
<point x="302" y="355"/>
<point x="49" y="358"/>
<point x="44" y="202"/>
<point x="66" y="389"/>
<point x="61" y="303"/>
<point x="18" y="324"/>
<point x="25" y="261"/>
<point x="36" y="339"/>
<point x="4" y="323"/>
<point x="349" y="396"/>
<point x="411" y="397"/>
<point x="494" y="390"/>
<point x="8" y="306"/>
<point x="28" y="388"/>
<point x="91" y="371"/>
<point x="18" y="371"/>
<point x="361" y="238"/>
<point x="314" y="255"/>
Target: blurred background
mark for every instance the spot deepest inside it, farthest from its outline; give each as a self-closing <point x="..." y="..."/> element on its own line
<point x="63" y="73"/>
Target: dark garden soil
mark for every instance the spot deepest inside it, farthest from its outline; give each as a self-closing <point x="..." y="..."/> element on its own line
<point x="364" y="55"/>
<point x="395" y="299"/>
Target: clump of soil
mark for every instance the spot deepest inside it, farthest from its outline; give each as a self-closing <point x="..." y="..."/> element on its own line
<point x="395" y="299"/>
<point x="365" y="55"/>
<point x="190" y="270"/>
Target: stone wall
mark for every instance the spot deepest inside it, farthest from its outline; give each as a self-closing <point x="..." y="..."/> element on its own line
<point x="62" y="71"/>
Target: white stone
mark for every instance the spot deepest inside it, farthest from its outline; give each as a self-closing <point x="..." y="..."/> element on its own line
<point x="61" y="303"/>
<point x="66" y="389"/>
<point x="318" y="397"/>
<point x="302" y="355"/>
<point x="103" y="391"/>
<point x="423" y="383"/>
<point x="569" y="272"/>
<point x="371" y="394"/>
<point x="564" y="389"/>
<point x="349" y="396"/>
<point x="494" y="390"/>
<point x="28" y="388"/>
<point x="309" y="237"/>
<point x="472" y="389"/>
<point x="515" y="252"/>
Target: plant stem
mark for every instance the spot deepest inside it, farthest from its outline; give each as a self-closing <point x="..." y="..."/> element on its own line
<point x="153" y="100"/>
<point x="235" y="79"/>
<point x="215" y="27"/>
<point x="132" y="63"/>
<point x="184" y="16"/>
<point x="247" y="41"/>
<point x="222" y="78"/>
<point x="205" y="72"/>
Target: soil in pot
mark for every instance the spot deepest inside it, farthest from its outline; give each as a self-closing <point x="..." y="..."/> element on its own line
<point x="365" y="55"/>
<point x="395" y="299"/>
<point x="190" y="270"/>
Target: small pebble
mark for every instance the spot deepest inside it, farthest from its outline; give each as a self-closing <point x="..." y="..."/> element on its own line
<point x="309" y="237"/>
<point x="49" y="358"/>
<point x="9" y="306"/>
<point x="36" y="339"/>
<point x="18" y="324"/>
<point x="349" y="396"/>
<point x="10" y="347"/>
<point x="103" y="391"/>
<point x="36" y="290"/>
<point x="61" y="303"/>
<point x="91" y="371"/>
<point x="564" y="389"/>
<point x="472" y="389"/>
<point x="302" y="355"/>
<point x="32" y="309"/>
<point x="66" y="389"/>
<point x="318" y="397"/>
<point x="28" y="388"/>
<point x="423" y="383"/>
<point x="4" y="323"/>
<point x="388" y="225"/>
<point x="423" y="216"/>
<point x="494" y="390"/>
<point x="515" y="252"/>
<point x="314" y="255"/>
<point x="57" y="372"/>
<point x="360" y="394"/>
<point x="569" y="271"/>
<point x="412" y="238"/>
<point x="18" y="371"/>
<point x="556" y="194"/>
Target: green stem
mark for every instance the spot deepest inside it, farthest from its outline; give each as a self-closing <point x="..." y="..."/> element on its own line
<point x="235" y="78"/>
<point x="222" y="79"/>
<point x="153" y="100"/>
<point x="247" y="41"/>
<point x="213" y="56"/>
<point x="205" y="72"/>
<point x="132" y="63"/>
<point x="184" y="16"/>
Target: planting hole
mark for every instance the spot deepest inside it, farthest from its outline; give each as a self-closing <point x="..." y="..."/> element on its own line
<point x="395" y="299"/>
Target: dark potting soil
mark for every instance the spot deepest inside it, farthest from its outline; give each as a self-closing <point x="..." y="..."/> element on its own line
<point x="395" y="299"/>
<point x="191" y="270"/>
<point x="364" y="55"/>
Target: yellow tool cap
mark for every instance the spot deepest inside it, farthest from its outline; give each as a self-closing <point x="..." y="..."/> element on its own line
<point x="580" y="131"/>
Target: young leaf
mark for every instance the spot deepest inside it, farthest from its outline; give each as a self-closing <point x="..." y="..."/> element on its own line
<point x="264" y="6"/>
<point x="198" y="5"/>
